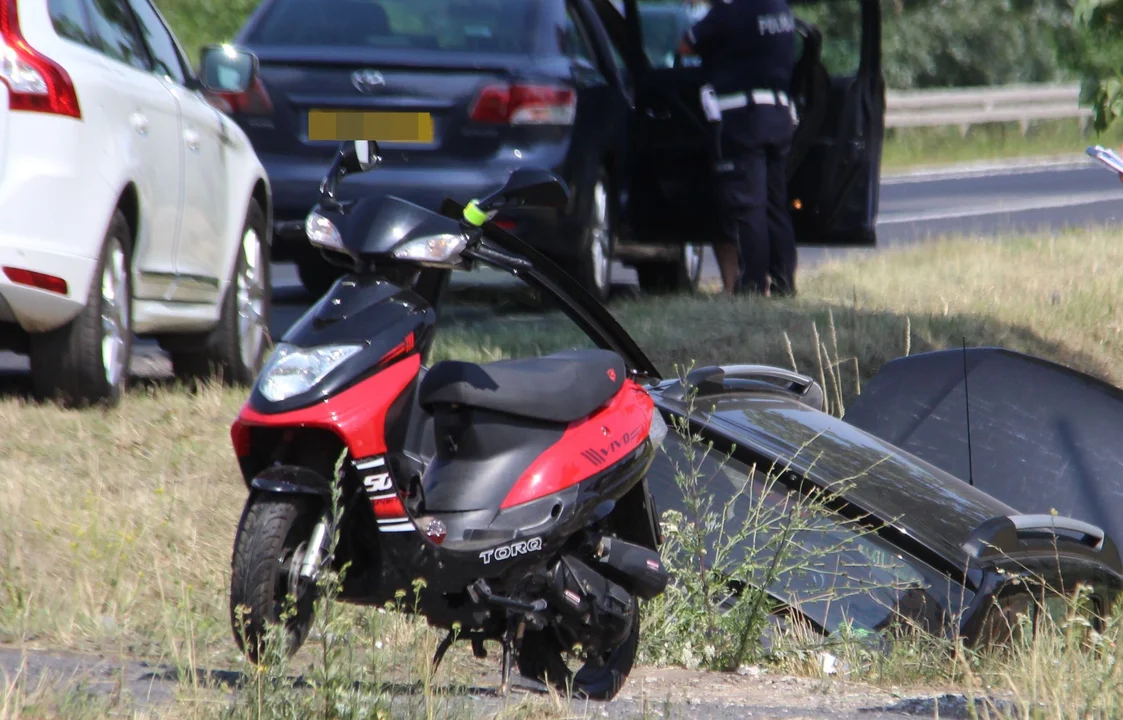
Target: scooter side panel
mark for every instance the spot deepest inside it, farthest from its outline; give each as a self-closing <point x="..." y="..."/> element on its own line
<point x="491" y="451"/>
<point x="506" y="546"/>
<point x="587" y="447"/>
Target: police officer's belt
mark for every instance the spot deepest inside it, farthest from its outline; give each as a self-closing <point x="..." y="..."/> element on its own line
<point x="755" y="97"/>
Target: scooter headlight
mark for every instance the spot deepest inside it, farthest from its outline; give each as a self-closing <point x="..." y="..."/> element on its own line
<point x="293" y="370"/>
<point x="321" y="231"/>
<point x="439" y="250"/>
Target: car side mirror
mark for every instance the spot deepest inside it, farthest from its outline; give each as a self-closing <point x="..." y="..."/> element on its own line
<point x="533" y="187"/>
<point x="226" y="69"/>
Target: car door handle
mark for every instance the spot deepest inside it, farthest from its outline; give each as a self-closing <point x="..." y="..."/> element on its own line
<point x="658" y="114"/>
<point x="139" y="121"/>
<point x="191" y="137"/>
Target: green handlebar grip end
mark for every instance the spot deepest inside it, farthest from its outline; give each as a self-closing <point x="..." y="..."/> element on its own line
<point x="474" y="215"/>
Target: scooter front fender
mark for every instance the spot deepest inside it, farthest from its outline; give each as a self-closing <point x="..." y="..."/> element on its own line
<point x="291" y="479"/>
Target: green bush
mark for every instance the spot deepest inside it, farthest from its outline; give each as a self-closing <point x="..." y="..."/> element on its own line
<point x="198" y="22"/>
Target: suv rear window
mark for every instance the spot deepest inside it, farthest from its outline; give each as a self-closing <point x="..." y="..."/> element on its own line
<point x="488" y="26"/>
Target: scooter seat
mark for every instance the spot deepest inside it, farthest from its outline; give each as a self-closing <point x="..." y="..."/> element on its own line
<point x="561" y="387"/>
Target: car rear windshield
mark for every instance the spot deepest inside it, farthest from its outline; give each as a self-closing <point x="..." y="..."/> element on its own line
<point x="487" y="26"/>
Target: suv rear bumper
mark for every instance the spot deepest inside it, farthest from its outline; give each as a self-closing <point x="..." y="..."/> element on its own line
<point x="53" y="209"/>
<point x="37" y="310"/>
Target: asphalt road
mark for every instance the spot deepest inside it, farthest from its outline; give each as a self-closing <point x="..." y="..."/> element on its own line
<point x="913" y="208"/>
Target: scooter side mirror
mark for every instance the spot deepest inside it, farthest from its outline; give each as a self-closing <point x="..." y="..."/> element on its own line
<point x="353" y="156"/>
<point x="366" y="155"/>
<point x="533" y="187"/>
<point x="356" y="156"/>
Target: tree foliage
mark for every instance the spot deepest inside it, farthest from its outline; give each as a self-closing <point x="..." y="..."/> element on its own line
<point x="1096" y="54"/>
<point x="953" y="43"/>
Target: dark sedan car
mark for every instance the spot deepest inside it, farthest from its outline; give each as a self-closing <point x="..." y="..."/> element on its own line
<point x="903" y="543"/>
<point x="456" y="93"/>
<point x="460" y="92"/>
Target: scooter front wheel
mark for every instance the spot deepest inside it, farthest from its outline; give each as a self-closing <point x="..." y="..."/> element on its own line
<point x="272" y="536"/>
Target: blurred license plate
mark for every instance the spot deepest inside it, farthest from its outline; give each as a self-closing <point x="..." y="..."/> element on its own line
<point x="398" y="127"/>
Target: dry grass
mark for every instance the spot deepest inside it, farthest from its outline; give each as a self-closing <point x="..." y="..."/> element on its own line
<point x="116" y="528"/>
<point x="1054" y="296"/>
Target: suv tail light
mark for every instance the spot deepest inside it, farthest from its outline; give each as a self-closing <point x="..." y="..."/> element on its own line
<point x="37" y="83"/>
<point x="525" y="105"/>
<point x="43" y="281"/>
<point x="255" y="101"/>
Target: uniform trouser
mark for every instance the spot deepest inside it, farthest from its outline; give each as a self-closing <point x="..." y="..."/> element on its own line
<point x="753" y="190"/>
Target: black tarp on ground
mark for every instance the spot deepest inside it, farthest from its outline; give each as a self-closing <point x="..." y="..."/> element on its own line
<point x="1043" y="436"/>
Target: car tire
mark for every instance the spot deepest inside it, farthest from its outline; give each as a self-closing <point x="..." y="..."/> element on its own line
<point x="236" y="348"/>
<point x="595" y="242"/>
<point x="681" y="275"/>
<point x="86" y="361"/>
<point x="316" y="274"/>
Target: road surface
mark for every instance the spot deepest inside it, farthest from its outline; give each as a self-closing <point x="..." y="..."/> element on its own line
<point x="913" y="208"/>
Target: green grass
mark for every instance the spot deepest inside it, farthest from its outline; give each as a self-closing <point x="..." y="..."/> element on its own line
<point x="116" y="527"/>
<point x="912" y="147"/>
<point x="199" y="22"/>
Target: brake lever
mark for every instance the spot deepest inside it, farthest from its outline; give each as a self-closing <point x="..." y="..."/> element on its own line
<point x="488" y="253"/>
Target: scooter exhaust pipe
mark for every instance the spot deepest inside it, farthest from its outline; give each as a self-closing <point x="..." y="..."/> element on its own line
<point x="641" y="565"/>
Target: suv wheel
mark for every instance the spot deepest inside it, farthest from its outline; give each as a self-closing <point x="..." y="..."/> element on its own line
<point x="236" y="347"/>
<point x="593" y="266"/>
<point x="86" y="361"/>
<point x="681" y="275"/>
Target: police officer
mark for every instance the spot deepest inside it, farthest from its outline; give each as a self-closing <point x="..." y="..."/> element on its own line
<point x="747" y="48"/>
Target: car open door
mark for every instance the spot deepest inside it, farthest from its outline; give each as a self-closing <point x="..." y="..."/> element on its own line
<point x="836" y="151"/>
<point x="835" y="165"/>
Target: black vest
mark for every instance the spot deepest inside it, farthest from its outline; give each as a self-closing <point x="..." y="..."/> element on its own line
<point x="746" y="45"/>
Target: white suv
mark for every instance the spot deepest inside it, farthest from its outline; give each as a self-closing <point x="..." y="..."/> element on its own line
<point x="129" y="205"/>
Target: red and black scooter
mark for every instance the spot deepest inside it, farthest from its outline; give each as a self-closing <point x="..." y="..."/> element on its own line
<point x="515" y="489"/>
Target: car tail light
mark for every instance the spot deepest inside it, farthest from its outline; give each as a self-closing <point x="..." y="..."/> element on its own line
<point x="42" y="281"/>
<point x="254" y="101"/>
<point x="525" y="105"/>
<point x="36" y="83"/>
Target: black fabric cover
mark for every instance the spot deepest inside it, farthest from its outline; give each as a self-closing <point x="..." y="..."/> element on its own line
<point x="1043" y="437"/>
<point x="562" y="387"/>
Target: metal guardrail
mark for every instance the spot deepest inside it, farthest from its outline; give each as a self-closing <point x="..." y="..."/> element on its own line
<point x="964" y="107"/>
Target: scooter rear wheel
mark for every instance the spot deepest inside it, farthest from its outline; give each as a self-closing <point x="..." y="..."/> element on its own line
<point x="271" y="536"/>
<point x="542" y="658"/>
